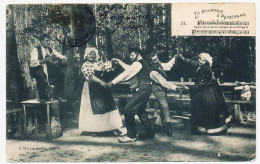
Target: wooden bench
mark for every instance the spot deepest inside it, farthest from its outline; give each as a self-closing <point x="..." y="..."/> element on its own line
<point x="153" y="112"/>
<point x="175" y="98"/>
<point x="10" y="111"/>
<point x="237" y="113"/>
<point x="152" y="97"/>
<point x="9" y="119"/>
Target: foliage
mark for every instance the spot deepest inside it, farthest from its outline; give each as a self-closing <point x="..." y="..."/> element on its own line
<point x="125" y="22"/>
<point x="147" y="26"/>
<point x="229" y="53"/>
<point x="43" y="20"/>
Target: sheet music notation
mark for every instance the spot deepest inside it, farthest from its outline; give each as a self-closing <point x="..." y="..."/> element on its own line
<point x="194" y="32"/>
<point x="200" y="22"/>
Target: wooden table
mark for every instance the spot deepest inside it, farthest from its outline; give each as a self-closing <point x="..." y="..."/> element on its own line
<point x="35" y="102"/>
<point x="229" y="86"/>
<point x="226" y="85"/>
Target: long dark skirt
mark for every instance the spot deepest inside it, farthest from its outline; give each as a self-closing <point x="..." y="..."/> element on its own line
<point x="101" y="99"/>
<point x="209" y="112"/>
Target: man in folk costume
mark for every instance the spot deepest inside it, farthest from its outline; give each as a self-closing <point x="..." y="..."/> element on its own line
<point x="137" y="103"/>
<point x="159" y="89"/>
<point x="46" y="66"/>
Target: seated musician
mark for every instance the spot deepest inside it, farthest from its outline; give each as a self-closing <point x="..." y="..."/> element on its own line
<point x="47" y="66"/>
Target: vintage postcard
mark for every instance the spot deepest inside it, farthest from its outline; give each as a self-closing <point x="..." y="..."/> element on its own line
<point x="130" y="82"/>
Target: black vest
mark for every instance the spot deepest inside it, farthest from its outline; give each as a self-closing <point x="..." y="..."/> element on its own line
<point x="40" y="57"/>
<point x="39" y="49"/>
<point x="143" y="76"/>
<point x="158" y="68"/>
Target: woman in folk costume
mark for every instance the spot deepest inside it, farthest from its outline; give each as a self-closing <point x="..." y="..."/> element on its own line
<point x="209" y="113"/>
<point x="98" y="111"/>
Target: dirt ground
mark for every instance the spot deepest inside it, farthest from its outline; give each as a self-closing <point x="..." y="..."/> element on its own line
<point x="239" y="144"/>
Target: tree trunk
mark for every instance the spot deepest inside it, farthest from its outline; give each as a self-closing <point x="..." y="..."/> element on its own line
<point x="150" y="25"/>
<point x="69" y="53"/>
<point x="167" y="25"/>
<point x="14" y="82"/>
<point x="17" y="54"/>
<point x="109" y="44"/>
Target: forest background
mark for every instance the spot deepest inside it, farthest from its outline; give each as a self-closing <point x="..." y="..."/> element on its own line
<point x="117" y="27"/>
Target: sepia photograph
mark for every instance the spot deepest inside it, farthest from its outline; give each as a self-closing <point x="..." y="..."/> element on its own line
<point x="130" y="82"/>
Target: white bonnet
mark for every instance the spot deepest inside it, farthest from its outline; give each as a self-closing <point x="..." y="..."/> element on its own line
<point x="207" y="57"/>
<point x="88" y="50"/>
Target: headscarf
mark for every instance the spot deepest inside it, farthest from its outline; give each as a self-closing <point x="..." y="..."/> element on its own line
<point x="207" y="57"/>
<point x="88" y="50"/>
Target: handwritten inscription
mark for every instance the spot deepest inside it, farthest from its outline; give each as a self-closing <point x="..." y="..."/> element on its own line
<point x="122" y="19"/>
<point x="203" y="11"/>
<point x="225" y="17"/>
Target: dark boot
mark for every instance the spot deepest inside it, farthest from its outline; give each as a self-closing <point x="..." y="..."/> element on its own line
<point x="146" y="122"/>
<point x="130" y="125"/>
<point x="168" y="129"/>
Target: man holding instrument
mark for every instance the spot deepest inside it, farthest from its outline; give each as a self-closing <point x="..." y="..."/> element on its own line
<point x="47" y="67"/>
